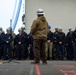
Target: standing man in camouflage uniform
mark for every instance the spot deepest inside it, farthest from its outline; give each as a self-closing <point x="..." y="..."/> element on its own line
<point x="7" y="45"/>
<point x="69" y="44"/>
<point x="1" y="42"/>
<point x="60" y="51"/>
<point x="30" y="44"/>
<point x="19" y="43"/>
<point x="12" y="43"/>
<point x="49" y="43"/>
<point x="39" y="33"/>
<point x="25" y="52"/>
<point x="55" y="43"/>
<point x="74" y="43"/>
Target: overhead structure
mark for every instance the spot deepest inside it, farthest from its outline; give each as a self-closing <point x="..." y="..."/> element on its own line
<point x="14" y="12"/>
<point x="17" y="15"/>
<point x="57" y="12"/>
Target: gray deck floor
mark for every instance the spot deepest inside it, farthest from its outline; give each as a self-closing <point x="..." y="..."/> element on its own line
<point x="25" y="67"/>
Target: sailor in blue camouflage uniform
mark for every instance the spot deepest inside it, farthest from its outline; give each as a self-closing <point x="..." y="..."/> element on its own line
<point x="60" y="52"/>
<point x="26" y="42"/>
<point x="74" y="43"/>
<point x="69" y="44"/>
<point x="1" y="42"/>
<point x="12" y="43"/>
<point x="31" y="46"/>
<point x="19" y="43"/>
<point x="7" y="45"/>
<point x="55" y="42"/>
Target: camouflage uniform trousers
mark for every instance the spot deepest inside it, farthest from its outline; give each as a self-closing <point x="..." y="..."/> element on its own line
<point x="39" y="50"/>
<point x="49" y="47"/>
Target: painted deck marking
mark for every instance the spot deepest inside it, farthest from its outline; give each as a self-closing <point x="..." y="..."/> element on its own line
<point x="37" y="70"/>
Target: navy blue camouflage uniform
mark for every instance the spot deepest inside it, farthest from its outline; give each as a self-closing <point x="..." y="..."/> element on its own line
<point x="7" y="46"/>
<point x="54" y="44"/>
<point x="30" y="42"/>
<point x="20" y="50"/>
<point x="69" y="45"/>
<point x="24" y="34"/>
<point x="1" y="45"/>
<point x="60" y="52"/>
<point x="74" y="44"/>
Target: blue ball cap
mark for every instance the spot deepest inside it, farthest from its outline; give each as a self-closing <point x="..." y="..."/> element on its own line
<point x="49" y="27"/>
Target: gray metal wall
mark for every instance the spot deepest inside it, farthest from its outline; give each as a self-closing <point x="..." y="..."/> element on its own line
<point x="57" y="12"/>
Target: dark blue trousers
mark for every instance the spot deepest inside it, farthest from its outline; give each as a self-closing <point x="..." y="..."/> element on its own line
<point x="32" y="52"/>
<point x="25" y="51"/>
<point x="20" y="51"/>
<point x="74" y="47"/>
<point x="1" y="51"/>
<point x="60" y="51"/>
<point x="69" y="50"/>
<point x="7" y="49"/>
